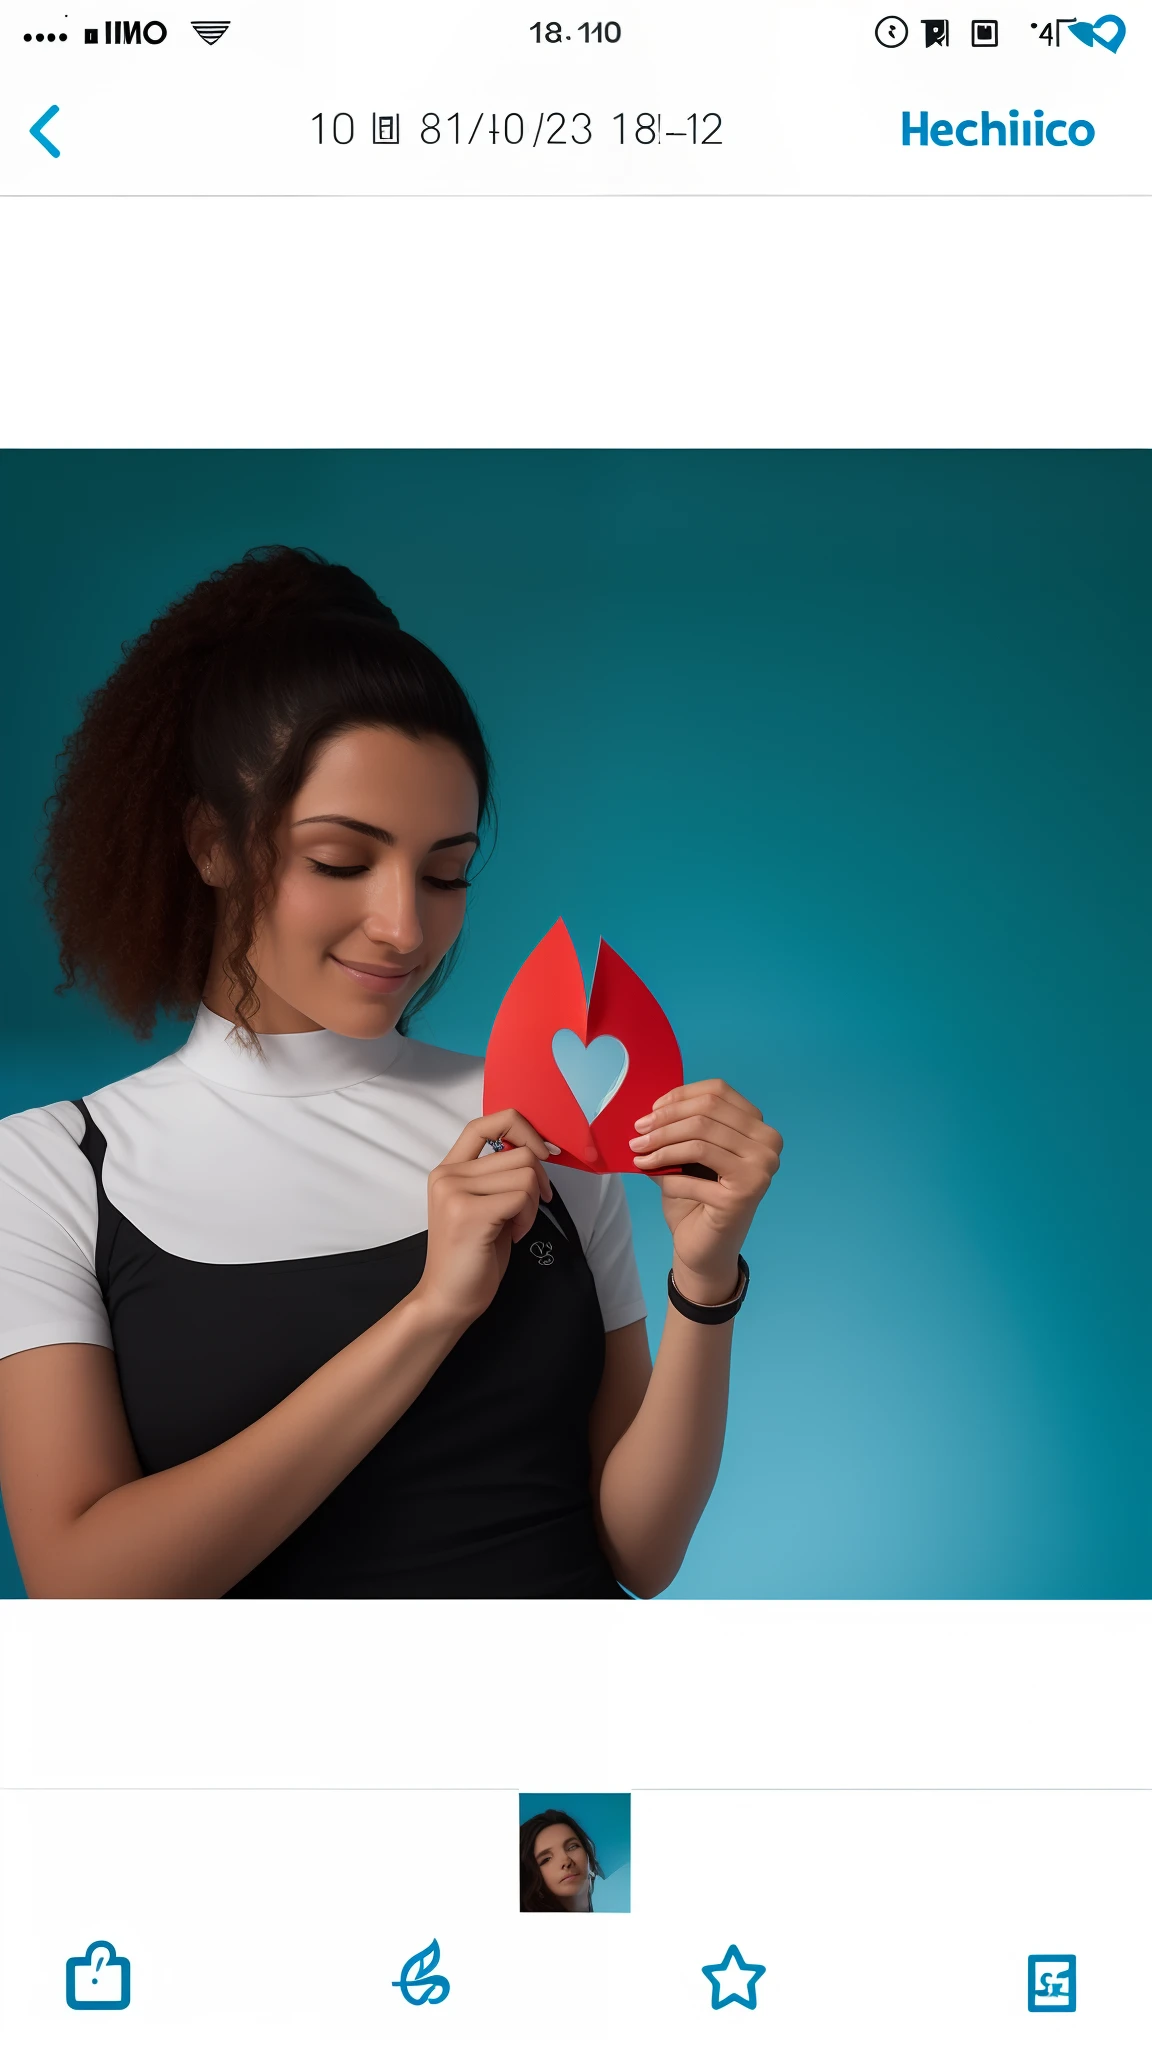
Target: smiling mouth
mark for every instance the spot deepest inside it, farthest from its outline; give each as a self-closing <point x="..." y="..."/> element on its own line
<point x="369" y="975"/>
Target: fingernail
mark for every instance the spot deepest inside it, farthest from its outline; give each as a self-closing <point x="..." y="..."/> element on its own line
<point x="641" y="1121"/>
<point x="552" y="1147"/>
<point x="637" y="1142"/>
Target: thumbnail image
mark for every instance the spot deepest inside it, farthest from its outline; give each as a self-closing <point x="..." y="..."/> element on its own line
<point x="575" y="1853"/>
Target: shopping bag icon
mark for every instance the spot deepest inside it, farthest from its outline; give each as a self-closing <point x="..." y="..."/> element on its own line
<point x="99" y="1980"/>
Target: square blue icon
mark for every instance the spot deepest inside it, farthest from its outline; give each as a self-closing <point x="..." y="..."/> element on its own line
<point x="1051" y="1983"/>
<point x="99" y="1980"/>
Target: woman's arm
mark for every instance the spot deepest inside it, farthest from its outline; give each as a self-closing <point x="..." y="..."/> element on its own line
<point x="657" y="1436"/>
<point x="85" y="1523"/>
<point x="658" y="1432"/>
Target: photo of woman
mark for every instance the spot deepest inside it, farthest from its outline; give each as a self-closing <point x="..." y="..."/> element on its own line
<point x="558" y="1865"/>
<point x="274" y="1319"/>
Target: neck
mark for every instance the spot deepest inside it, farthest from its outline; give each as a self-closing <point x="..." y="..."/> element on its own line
<point x="307" y="1062"/>
<point x="272" y="1013"/>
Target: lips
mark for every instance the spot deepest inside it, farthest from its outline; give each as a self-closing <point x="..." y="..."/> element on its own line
<point x="369" y="972"/>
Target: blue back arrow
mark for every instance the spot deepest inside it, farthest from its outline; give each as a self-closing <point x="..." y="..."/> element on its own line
<point x="37" y="134"/>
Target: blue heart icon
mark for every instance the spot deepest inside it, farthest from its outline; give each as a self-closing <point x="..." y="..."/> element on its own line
<point x="593" y="1072"/>
<point x="1089" y="32"/>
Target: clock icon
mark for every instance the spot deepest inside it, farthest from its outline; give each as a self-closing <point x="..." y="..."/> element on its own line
<point x="892" y="31"/>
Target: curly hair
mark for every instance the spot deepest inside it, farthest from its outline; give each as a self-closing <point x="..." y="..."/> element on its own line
<point x="535" y="1896"/>
<point x="225" y="700"/>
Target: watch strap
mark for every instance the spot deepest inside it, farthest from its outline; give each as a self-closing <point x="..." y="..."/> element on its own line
<point x="710" y="1312"/>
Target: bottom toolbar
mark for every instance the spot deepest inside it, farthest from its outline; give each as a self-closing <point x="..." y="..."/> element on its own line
<point x="340" y="1919"/>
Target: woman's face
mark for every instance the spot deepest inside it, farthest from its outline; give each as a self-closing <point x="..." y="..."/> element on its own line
<point x="562" y="1861"/>
<point x="396" y="819"/>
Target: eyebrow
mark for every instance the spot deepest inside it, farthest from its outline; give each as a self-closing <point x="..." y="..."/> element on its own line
<point x="387" y="838"/>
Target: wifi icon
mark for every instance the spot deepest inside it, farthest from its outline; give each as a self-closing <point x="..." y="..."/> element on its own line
<point x="210" y="31"/>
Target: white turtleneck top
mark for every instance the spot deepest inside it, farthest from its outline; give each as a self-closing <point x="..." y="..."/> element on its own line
<point x="215" y="1156"/>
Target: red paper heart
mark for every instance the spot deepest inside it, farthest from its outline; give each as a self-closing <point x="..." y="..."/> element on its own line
<point x="520" y="1072"/>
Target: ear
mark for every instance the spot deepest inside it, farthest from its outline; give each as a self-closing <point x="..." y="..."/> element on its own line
<point x="203" y="837"/>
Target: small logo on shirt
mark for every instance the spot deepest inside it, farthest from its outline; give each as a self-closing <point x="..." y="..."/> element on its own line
<point x="541" y="1251"/>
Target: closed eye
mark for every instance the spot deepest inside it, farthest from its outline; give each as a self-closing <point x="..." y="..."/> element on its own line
<point x="323" y="867"/>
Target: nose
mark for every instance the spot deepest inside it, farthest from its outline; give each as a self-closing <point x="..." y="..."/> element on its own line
<point x="393" y="915"/>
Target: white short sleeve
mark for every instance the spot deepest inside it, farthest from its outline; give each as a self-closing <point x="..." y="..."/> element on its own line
<point x="49" y="1293"/>
<point x="598" y="1207"/>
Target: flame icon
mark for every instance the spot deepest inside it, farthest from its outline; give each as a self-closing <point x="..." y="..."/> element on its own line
<point x="416" y="1981"/>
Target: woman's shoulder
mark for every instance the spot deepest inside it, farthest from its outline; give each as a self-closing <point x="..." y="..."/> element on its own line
<point x="48" y="1136"/>
<point x="46" y="1183"/>
<point x="40" y="1156"/>
<point x="32" y="1139"/>
<point x="49" y="1293"/>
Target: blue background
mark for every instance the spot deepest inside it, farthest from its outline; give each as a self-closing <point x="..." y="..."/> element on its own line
<point x="848" y="755"/>
<point x="607" y="1818"/>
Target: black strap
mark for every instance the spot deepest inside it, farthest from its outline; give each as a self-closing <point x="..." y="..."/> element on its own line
<point x="721" y="1311"/>
<point x="94" y="1145"/>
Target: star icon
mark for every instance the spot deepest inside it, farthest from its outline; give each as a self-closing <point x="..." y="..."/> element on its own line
<point x="734" y="1981"/>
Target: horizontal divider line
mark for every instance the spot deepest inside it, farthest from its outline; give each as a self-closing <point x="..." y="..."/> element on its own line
<point x="171" y="198"/>
<point x="719" y="1791"/>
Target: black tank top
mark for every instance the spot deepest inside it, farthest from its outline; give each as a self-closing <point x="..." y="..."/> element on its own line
<point x="479" y="1491"/>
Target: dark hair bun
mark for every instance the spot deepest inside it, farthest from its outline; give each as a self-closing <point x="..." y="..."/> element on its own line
<point x="268" y="585"/>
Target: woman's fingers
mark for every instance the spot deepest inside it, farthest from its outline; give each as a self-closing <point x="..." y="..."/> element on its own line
<point x="485" y="1172"/>
<point x="697" y="1152"/>
<point x="501" y="1192"/>
<point x="720" y="1090"/>
<point x="516" y="1204"/>
<point x="515" y="1200"/>
<point x="728" y="1150"/>
<point x="506" y="1124"/>
<point x="721" y="1134"/>
<point x="710" y="1098"/>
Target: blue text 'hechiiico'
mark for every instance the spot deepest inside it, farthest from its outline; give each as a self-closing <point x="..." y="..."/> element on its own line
<point x="1033" y="132"/>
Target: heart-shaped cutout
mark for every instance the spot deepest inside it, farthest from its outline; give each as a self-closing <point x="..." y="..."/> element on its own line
<point x="594" y="1071"/>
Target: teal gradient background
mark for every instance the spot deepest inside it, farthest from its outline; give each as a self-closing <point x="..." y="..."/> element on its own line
<point x="606" y="1817"/>
<point x="847" y="754"/>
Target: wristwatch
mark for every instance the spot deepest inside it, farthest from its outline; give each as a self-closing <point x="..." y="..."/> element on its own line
<point x="712" y="1312"/>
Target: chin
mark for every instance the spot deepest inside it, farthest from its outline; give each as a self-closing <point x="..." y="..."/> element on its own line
<point x="364" y="1027"/>
<point x="353" y="1015"/>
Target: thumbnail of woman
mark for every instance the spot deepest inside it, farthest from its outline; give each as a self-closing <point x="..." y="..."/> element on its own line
<point x="276" y="1319"/>
<point x="558" y="1866"/>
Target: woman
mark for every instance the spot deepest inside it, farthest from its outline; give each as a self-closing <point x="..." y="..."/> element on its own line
<point x="558" y="1866"/>
<point x="276" y="1320"/>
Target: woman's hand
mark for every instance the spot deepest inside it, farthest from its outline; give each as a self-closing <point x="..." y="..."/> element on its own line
<point x="706" y="1123"/>
<point x="478" y="1207"/>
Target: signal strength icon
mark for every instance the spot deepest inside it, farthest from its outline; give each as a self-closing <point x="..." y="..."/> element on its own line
<point x="210" y="31"/>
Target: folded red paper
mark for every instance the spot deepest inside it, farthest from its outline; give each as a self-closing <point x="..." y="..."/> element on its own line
<point x="520" y="1069"/>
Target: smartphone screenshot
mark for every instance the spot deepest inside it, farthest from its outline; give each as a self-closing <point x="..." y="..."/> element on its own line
<point x="574" y="1021"/>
